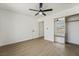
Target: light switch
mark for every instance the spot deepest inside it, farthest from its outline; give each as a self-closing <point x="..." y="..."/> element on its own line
<point x="47" y="28"/>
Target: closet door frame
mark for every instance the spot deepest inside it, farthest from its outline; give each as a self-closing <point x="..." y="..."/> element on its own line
<point x="67" y="27"/>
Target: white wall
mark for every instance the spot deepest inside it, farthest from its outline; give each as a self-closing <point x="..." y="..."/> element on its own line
<point x="48" y="28"/>
<point x="16" y="27"/>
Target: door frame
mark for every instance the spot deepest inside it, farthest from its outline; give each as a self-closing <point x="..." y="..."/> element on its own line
<point x="39" y="28"/>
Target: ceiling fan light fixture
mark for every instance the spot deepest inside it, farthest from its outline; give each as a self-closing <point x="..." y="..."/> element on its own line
<point x="40" y="13"/>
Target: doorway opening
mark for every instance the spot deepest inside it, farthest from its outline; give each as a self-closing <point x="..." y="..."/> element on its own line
<point x="59" y="30"/>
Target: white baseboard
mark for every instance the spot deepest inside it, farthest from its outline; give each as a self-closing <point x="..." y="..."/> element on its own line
<point x="73" y="42"/>
<point x="17" y="41"/>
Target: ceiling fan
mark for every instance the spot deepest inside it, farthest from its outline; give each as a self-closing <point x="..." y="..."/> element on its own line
<point x="40" y="10"/>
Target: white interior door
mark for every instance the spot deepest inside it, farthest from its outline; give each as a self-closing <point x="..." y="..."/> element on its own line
<point x="41" y="29"/>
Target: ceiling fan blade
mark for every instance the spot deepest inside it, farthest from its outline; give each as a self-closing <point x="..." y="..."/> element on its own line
<point x="36" y="14"/>
<point x="33" y="10"/>
<point x="40" y="5"/>
<point x="47" y="10"/>
<point x="44" y="14"/>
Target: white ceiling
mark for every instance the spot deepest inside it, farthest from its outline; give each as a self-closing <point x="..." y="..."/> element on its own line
<point x="24" y="7"/>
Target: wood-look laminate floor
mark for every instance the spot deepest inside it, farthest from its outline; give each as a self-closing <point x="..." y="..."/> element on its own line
<point x="39" y="47"/>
